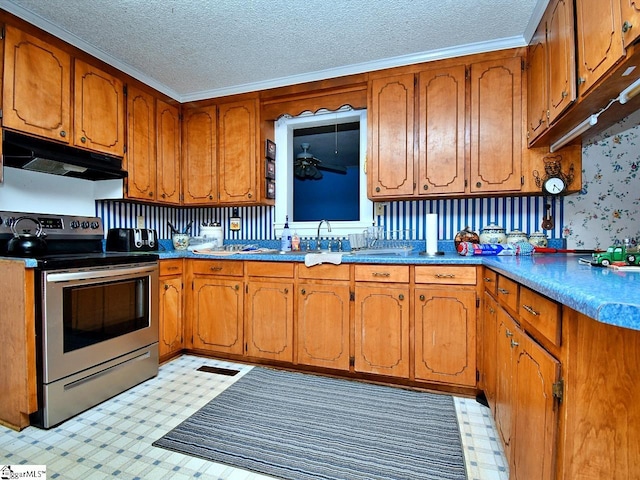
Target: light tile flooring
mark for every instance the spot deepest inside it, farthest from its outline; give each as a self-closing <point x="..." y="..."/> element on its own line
<point x="113" y="440"/>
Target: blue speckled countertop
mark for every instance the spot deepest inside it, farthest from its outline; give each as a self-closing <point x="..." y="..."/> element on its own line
<point x="604" y="294"/>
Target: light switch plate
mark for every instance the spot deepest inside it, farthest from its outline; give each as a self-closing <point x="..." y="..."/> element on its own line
<point x="140" y="221"/>
<point x="379" y="208"/>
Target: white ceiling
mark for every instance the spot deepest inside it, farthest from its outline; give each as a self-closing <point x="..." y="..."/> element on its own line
<point x="196" y="49"/>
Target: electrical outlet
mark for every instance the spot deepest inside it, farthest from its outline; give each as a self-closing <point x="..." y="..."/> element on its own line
<point x="379" y="208"/>
<point x="140" y="221"/>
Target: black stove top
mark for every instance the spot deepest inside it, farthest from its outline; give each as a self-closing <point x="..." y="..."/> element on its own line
<point x="72" y="241"/>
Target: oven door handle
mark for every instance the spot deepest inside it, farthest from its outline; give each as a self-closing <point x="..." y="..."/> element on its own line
<point x="99" y="274"/>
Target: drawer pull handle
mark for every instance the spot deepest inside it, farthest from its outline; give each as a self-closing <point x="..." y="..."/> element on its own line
<point x="216" y="269"/>
<point x="530" y="310"/>
<point x="381" y="274"/>
<point x="488" y="280"/>
<point x="503" y="291"/>
<point x="445" y="275"/>
<point x="172" y="268"/>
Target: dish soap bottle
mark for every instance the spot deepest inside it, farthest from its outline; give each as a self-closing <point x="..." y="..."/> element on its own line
<point x="285" y="240"/>
<point x="295" y="242"/>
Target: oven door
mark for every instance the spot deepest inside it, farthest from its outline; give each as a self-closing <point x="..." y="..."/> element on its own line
<point x="92" y="316"/>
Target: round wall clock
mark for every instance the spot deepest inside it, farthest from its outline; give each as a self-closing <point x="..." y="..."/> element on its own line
<point x="554" y="185"/>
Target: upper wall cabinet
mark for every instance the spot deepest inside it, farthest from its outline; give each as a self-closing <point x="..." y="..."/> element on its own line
<point x="630" y="10"/>
<point x="238" y="141"/>
<point x="599" y="40"/>
<point x="37" y="96"/>
<point x="98" y="110"/>
<point x="153" y="149"/>
<point x="391" y="103"/>
<point x="37" y="87"/>
<point x="199" y="156"/>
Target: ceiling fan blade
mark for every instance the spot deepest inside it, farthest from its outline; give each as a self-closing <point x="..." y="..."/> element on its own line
<point x="333" y="168"/>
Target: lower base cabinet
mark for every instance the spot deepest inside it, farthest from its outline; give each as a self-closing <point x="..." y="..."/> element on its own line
<point x="170" y="309"/>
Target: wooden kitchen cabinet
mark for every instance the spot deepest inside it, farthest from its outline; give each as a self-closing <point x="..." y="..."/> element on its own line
<point x="599" y="40"/>
<point x="382" y="312"/>
<point x="238" y="150"/>
<point x="442" y="120"/>
<point x="170" y="311"/>
<point x="168" y="160"/>
<point x="488" y="375"/>
<point x="199" y="155"/>
<point x="216" y="307"/>
<point x="269" y="310"/>
<point x="391" y="153"/>
<point x="323" y="316"/>
<point x="98" y="110"/>
<point x="551" y="68"/>
<point x="630" y="18"/>
<point x="36" y="87"/>
<point x="141" y="145"/>
<point x="496" y="126"/>
<point x="445" y="324"/>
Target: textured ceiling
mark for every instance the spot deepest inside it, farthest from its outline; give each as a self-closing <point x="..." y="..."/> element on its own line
<point x="194" y="49"/>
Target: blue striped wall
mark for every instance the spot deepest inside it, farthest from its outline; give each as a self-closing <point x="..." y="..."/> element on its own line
<point x="522" y="213"/>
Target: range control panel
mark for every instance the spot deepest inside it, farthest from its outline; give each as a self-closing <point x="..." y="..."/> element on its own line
<point x="52" y="225"/>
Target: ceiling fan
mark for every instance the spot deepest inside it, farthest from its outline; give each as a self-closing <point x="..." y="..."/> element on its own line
<point x="307" y="166"/>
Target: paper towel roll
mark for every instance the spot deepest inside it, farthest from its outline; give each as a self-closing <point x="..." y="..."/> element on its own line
<point x="432" y="233"/>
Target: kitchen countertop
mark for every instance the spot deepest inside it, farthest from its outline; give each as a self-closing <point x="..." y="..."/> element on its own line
<point x="605" y="294"/>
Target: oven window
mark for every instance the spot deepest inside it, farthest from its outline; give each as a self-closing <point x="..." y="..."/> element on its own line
<point x="98" y="312"/>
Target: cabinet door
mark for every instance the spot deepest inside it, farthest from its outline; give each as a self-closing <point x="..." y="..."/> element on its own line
<point x="442" y="120"/>
<point x="382" y="330"/>
<point x="323" y="325"/>
<point x="217" y="313"/>
<point x="391" y="103"/>
<point x="496" y="126"/>
<point x="98" y="110"/>
<point x="445" y="335"/>
<point x="168" y="153"/>
<point x="489" y="358"/>
<point x="170" y="316"/>
<point x="561" y="49"/>
<point x="506" y="328"/>
<point x="537" y="82"/>
<point x="270" y="320"/>
<point x="37" y="87"/>
<point x="237" y="148"/>
<point x="598" y="39"/>
<point x="535" y="422"/>
<point x="199" y="156"/>
<point x="141" y="148"/>
<point x="630" y="21"/>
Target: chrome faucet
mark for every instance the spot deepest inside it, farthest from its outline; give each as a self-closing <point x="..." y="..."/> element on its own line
<point x="318" y="237"/>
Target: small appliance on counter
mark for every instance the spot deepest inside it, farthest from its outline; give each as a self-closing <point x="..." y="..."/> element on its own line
<point x="132" y="240"/>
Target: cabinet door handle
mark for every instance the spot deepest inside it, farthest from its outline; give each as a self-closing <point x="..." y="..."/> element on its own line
<point x="422" y="298"/>
<point x="503" y="291"/>
<point x="445" y="275"/>
<point x="151" y="194"/>
<point x="626" y="26"/>
<point x="381" y="274"/>
<point x="286" y="290"/>
<point x="166" y="286"/>
<point x="492" y="310"/>
<point x="514" y="343"/>
<point x="303" y="291"/>
<point x="508" y="333"/>
<point x="401" y="297"/>
<point x="377" y="189"/>
<point x="530" y="310"/>
<point x="237" y="287"/>
<point x="63" y="133"/>
<point x="478" y="184"/>
<point x="83" y="139"/>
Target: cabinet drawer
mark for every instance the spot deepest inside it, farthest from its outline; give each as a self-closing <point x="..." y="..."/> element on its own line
<point x="447" y="274"/>
<point x="217" y="267"/>
<point x="490" y="281"/>
<point x="541" y="313"/>
<point x="508" y="293"/>
<point x="170" y="267"/>
<point x="382" y="273"/>
<point x="270" y="269"/>
<point x="324" y="272"/>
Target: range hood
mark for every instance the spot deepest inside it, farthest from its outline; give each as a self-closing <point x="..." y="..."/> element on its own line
<point x="28" y="153"/>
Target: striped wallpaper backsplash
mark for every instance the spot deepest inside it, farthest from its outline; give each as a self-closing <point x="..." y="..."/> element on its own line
<point x="521" y="213"/>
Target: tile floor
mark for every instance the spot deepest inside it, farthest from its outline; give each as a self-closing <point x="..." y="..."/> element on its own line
<point x="113" y="440"/>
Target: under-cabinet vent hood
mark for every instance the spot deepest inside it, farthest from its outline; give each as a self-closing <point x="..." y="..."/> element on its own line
<point x="28" y="153"/>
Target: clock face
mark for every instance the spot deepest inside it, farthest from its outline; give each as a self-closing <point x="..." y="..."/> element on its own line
<point x="554" y="185"/>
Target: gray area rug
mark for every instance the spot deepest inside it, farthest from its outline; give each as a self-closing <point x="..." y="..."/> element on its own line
<point x="301" y="427"/>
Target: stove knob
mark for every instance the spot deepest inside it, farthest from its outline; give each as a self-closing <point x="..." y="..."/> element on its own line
<point x="10" y="221"/>
<point x="95" y="225"/>
<point x="74" y="224"/>
<point x="1" y="220"/>
<point x="85" y="224"/>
